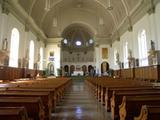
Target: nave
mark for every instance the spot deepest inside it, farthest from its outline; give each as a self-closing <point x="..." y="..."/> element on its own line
<point x="79" y="104"/>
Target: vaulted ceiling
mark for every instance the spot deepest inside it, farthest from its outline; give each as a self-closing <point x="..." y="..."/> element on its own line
<point x="103" y="20"/>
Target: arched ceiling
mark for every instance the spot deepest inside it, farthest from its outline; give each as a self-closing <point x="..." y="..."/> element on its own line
<point x="99" y="20"/>
<point x="77" y="32"/>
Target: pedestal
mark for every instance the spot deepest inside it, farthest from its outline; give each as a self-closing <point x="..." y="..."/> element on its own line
<point x="154" y="57"/>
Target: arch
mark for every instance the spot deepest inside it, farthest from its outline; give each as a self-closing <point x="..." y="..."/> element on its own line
<point x="51" y="68"/>
<point x="104" y="67"/>
<point x="84" y="25"/>
<point x="66" y="68"/>
<point x="142" y="47"/>
<point x="89" y="68"/>
<point x="72" y="69"/>
<point x="84" y="69"/>
<point x="14" y="47"/>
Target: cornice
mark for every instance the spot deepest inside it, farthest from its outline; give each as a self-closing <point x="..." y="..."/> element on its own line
<point x="54" y="40"/>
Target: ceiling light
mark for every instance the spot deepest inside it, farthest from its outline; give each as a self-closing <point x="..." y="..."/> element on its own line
<point x="78" y="43"/>
<point x="90" y="41"/>
<point x="65" y="41"/>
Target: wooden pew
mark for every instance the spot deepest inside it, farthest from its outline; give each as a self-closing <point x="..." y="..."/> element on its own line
<point x="55" y="86"/>
<point x="104" y="85"/>
<point x="45" y="97"/>
<point x="149" y="113"/>
<point x="117" y="96"/>
<point x="33" y="105"/>
<point x="107" y="92"/>
<point x="57" y="90"/>
<point x="131" y="105"/>
<point x="13" y="113"/>
<point x="49" y="90"/>
<point x="104" y="92"/>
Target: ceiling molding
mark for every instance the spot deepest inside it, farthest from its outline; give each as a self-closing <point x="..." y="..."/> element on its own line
<point x="57" y="2"/>
<point x="23" y="16"/>
<point x="134" y="17"/>
<point x="31" y="7"/>
<point x="54" y="40"/>
<point x="44" y="15"/>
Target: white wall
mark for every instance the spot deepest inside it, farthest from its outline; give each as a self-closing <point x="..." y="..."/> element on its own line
<point x="7" y="23"/>
<point x="148" y="22"/>
<point x="100" y="59"/>
<point x="0" y="27"/>
<point x="157" y="19"/>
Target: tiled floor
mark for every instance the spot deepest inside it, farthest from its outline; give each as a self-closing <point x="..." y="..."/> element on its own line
<point x="79" y="104"/>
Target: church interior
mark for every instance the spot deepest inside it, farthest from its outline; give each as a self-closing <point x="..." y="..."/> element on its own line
<point x="79" y="60"/>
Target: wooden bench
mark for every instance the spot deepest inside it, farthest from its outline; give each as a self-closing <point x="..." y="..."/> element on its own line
<point x="13" y="113"/>
<point x="104" y="93"/>
<point x="55" y="86"/>
<point x="149" y="113"/>
<point x="117" y="96"/>
<point x="131" y="105"/>
<point x="107" y="94"/>
<point x="49" y="90"/>
<point x="102" y="87"/>
<point x="33" y="105"/>
<point x="45" y="97"/>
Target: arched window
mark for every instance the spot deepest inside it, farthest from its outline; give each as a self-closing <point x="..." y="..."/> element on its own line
<point x="41" y="58"/>
<point x="115" y="56"/>
<point x="142" y="46"/>
<point x="125" y="55"/>
<point x="31" y="54"/>
<point x="13" y="57"/>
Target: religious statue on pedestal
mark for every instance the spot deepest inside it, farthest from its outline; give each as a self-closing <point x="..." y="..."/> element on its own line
<point x="117" y="60"/>
<point x="5" y="44"/>
<point x="152" y="45"/>
<point x="4" y="53"/>
<point x="131" y="59"/>
<point x="152" y="54"/>
<point x="26" y="59"/>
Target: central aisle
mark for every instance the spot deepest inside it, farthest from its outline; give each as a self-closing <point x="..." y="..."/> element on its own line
<point x="79" y="104"/>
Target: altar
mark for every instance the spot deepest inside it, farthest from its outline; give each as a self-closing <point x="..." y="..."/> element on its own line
<point x="77" y="73"/>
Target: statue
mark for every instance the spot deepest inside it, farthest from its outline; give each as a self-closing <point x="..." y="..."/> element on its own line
<point x="152" y="45"/>
<point x="4" y="53"/>
<point x="131" y="59"/>
<point x="117" y="60"/>
<point x="129" y="53"/>
<point x="5" y="44"/>
<point x="117" y="57"/>
<point x="152" y="54"/>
